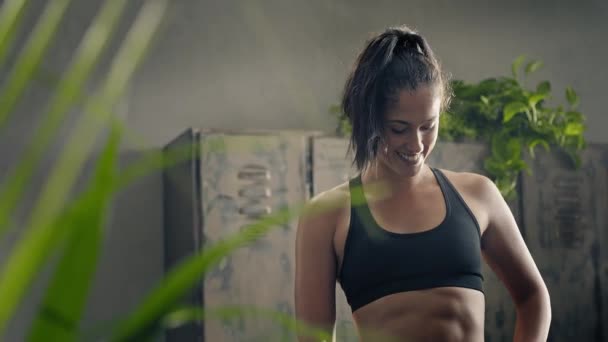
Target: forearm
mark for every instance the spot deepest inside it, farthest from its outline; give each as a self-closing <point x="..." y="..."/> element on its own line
<point x="314" y="332"/>
<point x="533" y="318"/>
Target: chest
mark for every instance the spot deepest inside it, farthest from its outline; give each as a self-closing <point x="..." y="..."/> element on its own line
<point x="410" y="214"/>
<point x="413" y="214"/>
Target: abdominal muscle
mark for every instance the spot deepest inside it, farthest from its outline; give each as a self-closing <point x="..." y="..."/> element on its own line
<point x="438" y="314"/>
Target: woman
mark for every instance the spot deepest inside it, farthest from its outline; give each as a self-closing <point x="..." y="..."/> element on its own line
<point x="405" y="240"/>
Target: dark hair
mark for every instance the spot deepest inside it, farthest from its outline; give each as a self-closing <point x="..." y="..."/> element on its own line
<point x="397" y="59"/>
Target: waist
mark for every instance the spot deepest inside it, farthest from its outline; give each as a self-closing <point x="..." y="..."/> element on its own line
<point x="439" y="314"/>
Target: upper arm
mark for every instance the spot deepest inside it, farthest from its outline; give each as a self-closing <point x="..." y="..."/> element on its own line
<point x="504" y="248"/>
<point x="315" y="278"/>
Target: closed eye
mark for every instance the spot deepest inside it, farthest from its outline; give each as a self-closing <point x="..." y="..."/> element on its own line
<point x="403" y="130"/>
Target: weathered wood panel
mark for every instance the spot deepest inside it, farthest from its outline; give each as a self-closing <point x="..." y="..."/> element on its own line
<point x="565" y="220"/>
<point x="245" y="177"/>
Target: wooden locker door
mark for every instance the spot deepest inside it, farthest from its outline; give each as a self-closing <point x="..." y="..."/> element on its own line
<point x="564" y="210"/>
<point x="245" y="177"/>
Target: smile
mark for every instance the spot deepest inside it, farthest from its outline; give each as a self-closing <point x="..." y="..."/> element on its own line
<point x="412" y="158"/>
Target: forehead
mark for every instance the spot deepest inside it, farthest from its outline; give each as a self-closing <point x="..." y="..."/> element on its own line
<point x="415" y="105"/>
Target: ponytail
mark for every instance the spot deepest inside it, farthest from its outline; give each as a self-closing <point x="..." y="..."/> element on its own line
<point x="397" y="59"/>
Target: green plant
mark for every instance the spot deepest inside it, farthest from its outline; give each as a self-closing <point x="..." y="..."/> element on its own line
<point x="60" y="227"/>
<point x="69" y="228"/>
<point x="512" y="119"/>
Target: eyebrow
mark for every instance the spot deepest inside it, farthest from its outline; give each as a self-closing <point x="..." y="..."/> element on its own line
<point x="408" y="123"/>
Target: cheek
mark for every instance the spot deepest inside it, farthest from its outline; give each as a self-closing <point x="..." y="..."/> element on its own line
<point x="430" y="140"/>
<point x="391" y="140"/>
<point x="395" y="140"/>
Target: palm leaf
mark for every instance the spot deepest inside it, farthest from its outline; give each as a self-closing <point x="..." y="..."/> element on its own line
<point x="10" y="18"/>
<point x="68" y="92"/>
<point x="82" y="225"/>
<point x="32" y="54"/>
<point x="37" y="242"/>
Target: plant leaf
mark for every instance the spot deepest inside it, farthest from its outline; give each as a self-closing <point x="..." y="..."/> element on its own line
<point x="514" y="148"/>
<point x="513" y="108"/>
<point x="517" y="64"/>
<point x="496" y="145"/>
<point x="37" y="242"/>
<point x="507" y="185"/>
<point x="574" y="128"/>
<point x="580" y="142"/>
<point x="61" y="311"/>
<point x="31" y="55"/>
<point x="493" y="167"/>
<point x="533" y="66"/>
<point x="573" y="116"/>
<point x="11" y="14"/>
<point x="67" y="92"/>
<point x="572" y="97"/>
<point x="533" y="144"/>
<point x="535" y="98"/>
<point x="543" y="87"/>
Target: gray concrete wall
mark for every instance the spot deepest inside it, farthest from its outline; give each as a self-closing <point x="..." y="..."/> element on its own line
<point x="281" y="64"/>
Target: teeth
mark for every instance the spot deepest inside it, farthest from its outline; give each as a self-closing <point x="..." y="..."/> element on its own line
<point x="410" y="158"/>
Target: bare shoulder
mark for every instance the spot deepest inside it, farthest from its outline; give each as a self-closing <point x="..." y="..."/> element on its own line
<point x="474" y="185"/>
<point x="327" y="208"/>
<point x="479" y="193"/>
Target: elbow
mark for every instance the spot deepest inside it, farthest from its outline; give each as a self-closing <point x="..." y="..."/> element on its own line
<point x="537" y="300"/>
<point x="533" y="316"/>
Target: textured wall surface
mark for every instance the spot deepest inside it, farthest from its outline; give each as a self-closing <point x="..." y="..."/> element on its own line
<point x="280" y="64"/>
<point x="243" y="178"/>
<point x="566" y="224"/>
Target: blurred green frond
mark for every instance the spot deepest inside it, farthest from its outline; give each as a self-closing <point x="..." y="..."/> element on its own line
<point x="39" y="239"/>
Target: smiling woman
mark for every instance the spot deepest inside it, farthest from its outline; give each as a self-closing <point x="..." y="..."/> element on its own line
<point x="406" y="240"/>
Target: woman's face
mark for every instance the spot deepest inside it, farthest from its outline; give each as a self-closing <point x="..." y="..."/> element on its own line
<point x="410" y="130"/>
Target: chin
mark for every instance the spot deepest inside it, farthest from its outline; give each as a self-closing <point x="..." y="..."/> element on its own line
<point x="400" y="170"/>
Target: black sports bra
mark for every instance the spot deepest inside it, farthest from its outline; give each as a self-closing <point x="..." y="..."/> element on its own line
<point x="378" y="262"/>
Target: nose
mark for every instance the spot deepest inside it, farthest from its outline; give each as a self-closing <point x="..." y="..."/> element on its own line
<point x="415" y="144"/>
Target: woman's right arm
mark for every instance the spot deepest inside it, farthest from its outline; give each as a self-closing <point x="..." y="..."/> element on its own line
<point x="315" y="280"/>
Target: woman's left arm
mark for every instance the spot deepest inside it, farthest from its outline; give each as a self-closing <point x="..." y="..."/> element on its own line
<point x="505" y="251"/>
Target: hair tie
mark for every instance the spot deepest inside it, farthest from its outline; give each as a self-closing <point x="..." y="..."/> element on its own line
<point x="411" y="42"/>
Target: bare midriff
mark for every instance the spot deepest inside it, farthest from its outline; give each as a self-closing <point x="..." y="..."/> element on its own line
<point x="438" y="314"/>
